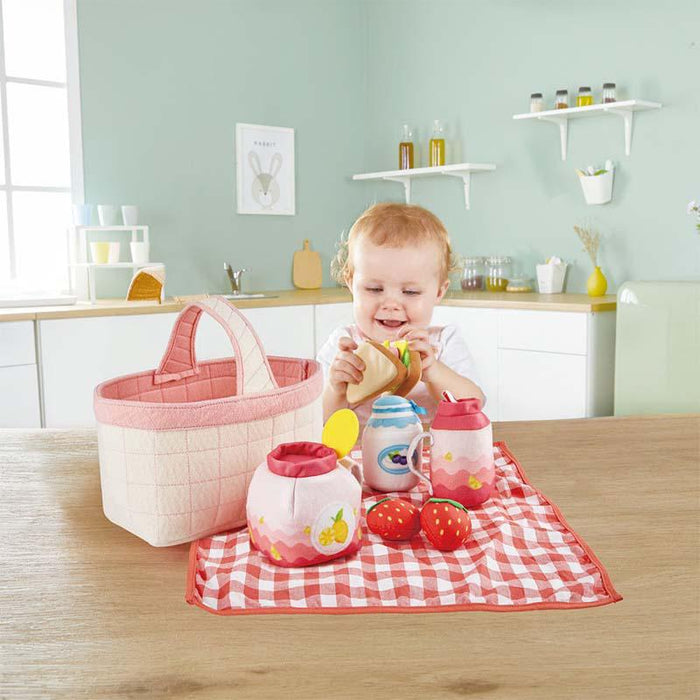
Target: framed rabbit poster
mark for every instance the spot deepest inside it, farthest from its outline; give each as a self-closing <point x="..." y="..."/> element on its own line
<point x="265" y="169"/>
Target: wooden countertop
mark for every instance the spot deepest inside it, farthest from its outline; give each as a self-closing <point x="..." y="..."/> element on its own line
<point x="298" y="297"/>
<point x="91" y="611"/>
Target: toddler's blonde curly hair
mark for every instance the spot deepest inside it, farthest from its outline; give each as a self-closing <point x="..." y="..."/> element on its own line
<point x="395" y="226"/>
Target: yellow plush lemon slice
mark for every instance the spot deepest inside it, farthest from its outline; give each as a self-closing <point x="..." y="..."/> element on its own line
<point x="340" y="431"/>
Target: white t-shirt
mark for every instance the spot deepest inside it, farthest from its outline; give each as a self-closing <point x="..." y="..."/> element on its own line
<point x="450" y="349"/>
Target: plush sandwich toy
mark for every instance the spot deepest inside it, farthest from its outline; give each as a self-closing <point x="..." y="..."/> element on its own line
<point x="390" y="367"/>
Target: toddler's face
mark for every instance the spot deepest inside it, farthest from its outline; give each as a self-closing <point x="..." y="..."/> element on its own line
<point x="395" y="287"/>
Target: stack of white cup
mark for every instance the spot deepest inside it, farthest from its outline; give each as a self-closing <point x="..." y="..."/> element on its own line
<point x="108" y="215"/>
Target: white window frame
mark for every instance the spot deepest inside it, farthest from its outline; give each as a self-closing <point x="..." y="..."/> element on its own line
<point x="72" y="86"/>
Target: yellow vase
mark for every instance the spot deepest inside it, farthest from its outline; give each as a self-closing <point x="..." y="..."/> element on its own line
<point x="597" y="284"/>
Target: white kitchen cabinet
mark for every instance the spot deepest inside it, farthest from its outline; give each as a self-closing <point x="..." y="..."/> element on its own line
<point x="546" y="331"/>
<point x="80" y="353"/>
<point x="554" y="364"/>
<point x="19" y="384"/>
<point x="17" y="343"/>
<point x="530" y="364"/>
<point x="327" y="318"/>
<point x="536" y="365"/>
<point x="479" y="328"/>
<point x="285" y="330"/>
<point x="541" y="385"/>
<point x="19" y="397"/>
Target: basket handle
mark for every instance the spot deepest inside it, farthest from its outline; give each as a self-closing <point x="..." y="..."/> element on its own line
<point x="253" y="372"/>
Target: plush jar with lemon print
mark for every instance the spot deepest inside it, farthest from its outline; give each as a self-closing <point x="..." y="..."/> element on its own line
<point x="303" y="506"/>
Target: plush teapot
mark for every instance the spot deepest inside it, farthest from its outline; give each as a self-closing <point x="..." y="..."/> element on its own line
<point x="304" y="505"/>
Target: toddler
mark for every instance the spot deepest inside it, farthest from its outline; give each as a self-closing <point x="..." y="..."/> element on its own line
<point x="396" y="265"/>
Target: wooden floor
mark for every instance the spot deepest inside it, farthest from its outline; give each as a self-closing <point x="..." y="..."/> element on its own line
<point x="90" y="611"/>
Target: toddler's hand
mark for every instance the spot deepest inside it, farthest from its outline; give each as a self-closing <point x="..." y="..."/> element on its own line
<point x="418" y="340"/>
<point x="347" y="368"/>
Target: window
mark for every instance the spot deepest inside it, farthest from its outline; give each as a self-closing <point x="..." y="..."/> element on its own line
<point x="40" y="153"/>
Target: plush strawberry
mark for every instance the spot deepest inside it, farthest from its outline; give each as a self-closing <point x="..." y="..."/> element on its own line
<point x="445" y="523"/>
<point x="393" y="519"/>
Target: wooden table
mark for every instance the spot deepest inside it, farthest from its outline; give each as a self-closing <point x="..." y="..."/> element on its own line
<point x="90" y="611"/>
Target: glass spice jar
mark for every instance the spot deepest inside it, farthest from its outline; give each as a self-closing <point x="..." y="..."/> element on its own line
<point x="498" y="273"/>
<point x="585" y="98"/>
<point x="473" y="275"/>
<point x="609" y="93"/>
<point x="561" y="101"/>
<point x="536" y="102"/>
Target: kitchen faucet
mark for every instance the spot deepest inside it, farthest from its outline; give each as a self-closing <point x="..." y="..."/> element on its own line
<point x="234" y="277"/>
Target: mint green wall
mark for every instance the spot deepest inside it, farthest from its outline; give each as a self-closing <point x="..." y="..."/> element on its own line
<point x="163" y="83"/>
<point x="475" y="64"/>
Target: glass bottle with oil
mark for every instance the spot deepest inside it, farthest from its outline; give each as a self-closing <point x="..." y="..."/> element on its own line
<point x="437" y="144"/>
<point x="406" y="148"/>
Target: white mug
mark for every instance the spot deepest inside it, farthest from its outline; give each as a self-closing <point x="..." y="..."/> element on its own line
<point x="107" y="213"/>
<point x="139" y="251"/>
<point x="113" y="252"/>
<point x="130" y="214"/>
<point x="82" y="214"/>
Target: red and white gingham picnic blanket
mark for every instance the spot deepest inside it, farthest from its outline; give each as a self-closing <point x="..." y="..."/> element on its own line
<point x="521" y="555"/>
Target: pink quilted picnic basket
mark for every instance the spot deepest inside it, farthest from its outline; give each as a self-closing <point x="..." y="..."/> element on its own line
<point x="178" y="445"/>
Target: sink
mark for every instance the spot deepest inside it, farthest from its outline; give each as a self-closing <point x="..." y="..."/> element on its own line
<point x="255" y="295"/>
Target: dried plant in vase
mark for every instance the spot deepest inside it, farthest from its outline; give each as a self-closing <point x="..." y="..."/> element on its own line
<point x="694" y="208"/>
<point x="339" y="261"/>
<point x="596" y="285"/>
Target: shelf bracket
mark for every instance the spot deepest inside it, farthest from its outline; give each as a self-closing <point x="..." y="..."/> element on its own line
<point x="627" y="115"/>
<point x="406" y="182"/>
<point x="563" y="123"/>
<point x="466" y="179"/>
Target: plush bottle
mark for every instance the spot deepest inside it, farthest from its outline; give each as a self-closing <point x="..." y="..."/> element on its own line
<point x="461" y="457"/>
<point x="393" y="424"/>
<point x="461" y="453"/>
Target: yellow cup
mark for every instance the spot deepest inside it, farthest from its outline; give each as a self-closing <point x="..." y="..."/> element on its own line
<point x="99" y="251"/>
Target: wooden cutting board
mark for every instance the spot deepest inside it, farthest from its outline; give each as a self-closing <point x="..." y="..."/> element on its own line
<point x="307" y="272"/>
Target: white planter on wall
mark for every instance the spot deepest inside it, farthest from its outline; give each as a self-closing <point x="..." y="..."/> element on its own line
<point x="597" y="189"/>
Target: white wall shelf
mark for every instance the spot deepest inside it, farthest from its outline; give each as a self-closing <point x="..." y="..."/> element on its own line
<point x="112" y="228"/>
<point x="405" y="177"/>
<point x="78" y="254"/>
<point x="78" y="247"/>
<point x="624" y="109"/>
<point x="118" y="265"/>
<point x="90" y="269"/>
